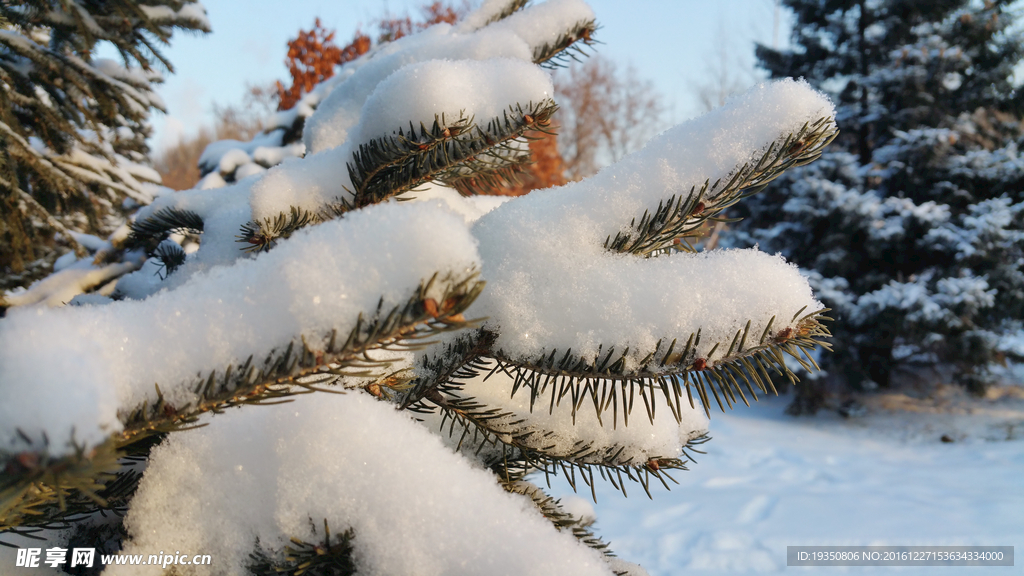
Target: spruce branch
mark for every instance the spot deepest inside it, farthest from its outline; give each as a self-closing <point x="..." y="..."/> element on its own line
<point x="290" y="371"/>
<point x="38" y="491"/>
<point x="170" y="255"/>
<point x="512" y="448"/>
<point x="510" y="8"/>
<point x="608" y="383"/>
<point x="567" y="47"/>
<point x="677" y="220"/>
<point x="445" y="152"/>
<point x="262" y="236"/>
<point x="553" y="511"/>
<point x="333" y="556"/>
<point x="33" y="481"/>
<point x="458" y="153"/>
<point x="149" y="232"/>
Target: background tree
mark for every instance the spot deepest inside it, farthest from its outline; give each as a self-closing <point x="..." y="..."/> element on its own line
<point x="724" y="74"/>
<point x="312" y="57"/>
<point x="544" y="333"/>
<point x="74" y="126"/>
<point x="605" y="114"/>
<point x="911" y="229"/>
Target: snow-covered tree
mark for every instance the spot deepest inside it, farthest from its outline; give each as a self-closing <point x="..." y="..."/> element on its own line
<point x="73" y="126"/>
<point x="469" y="340"/>
<point x="912" y="228"/>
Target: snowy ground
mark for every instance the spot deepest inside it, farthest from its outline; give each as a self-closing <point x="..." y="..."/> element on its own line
<point x="769" y="481"/>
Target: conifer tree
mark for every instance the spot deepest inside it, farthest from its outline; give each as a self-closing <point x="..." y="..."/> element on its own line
<point x="912" y="227"/>
<point x="433" y="355"/>
<point x="73" y="126"/>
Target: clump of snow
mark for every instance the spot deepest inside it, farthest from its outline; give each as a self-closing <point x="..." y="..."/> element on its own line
<point x="545" y="23"/>
<point x="581" y="508"/>
<point x="274" y="474"/>
<point x="320" y="280"/>
<point x="471" y="208"/>
<point x="224" y="157"/>
<point x="415" y="94"/>
<point x="60" y="287"/>
<point x="515" y="37"/>
<point x="552" y="284"/>
<point x="189" y="12"/>
<point x="481" y="89"/>
<point x="488" y="12"/>
<point x="329" y="126"/>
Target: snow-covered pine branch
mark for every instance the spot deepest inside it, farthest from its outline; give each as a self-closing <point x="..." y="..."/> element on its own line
<point x="574" y="330"/>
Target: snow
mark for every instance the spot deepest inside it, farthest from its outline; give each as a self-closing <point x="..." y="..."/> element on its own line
<point x="347" y="459"/>
<point x="224" y="156"/>
<point x="769" y="481"/>
<point x="60" y="287"/>
<point x="328" y="127"/>
<point x="477" y="89"/>
<point x="545" y="23"/>
<point x="553" y="285"/>
<point x="190" y="12"/>
<point x="488" y="11"/>
<point x="73" y="276"/>
<point x="322" y="279"/>
<point x="471" y="208"/>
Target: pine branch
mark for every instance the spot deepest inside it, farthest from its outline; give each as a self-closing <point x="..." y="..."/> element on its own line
<point x="170" y="255"/>
<point x="451" y="153"/>
<point x="513" y="450"/>
<point x="52" y="222"/>
<point x="460" y="360"/>
<point x="333" y="556"/>
<point x="38" y="491"/>
<point x="607" y="384"/>
<point x="395" y="164"/>
<point x="45" y="482"/>
<point x="552" y="510"/>
<point x="285" y="373"/>
<point x="262" y="236"/>
<point x="149" y="232"/>
<point x="511" y="7"/>
<point x="670" y="368"/>
<point x="567" y="47"/>
<point x="679" y="218"/>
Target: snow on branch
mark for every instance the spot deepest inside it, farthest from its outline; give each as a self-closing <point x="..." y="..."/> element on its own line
<point x="554" y="287"/>
<point x="345" y="459"/>
<point x="517" y="37"/>
<point x="383" y="160"/>
<point x="326" y="282"/>
<point x="488" y="12"/>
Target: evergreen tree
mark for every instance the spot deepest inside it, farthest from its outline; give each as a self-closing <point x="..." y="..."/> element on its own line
<point x="73" y="125"/>
<point x="912" y="227"/>
<point x="570" y="331"/>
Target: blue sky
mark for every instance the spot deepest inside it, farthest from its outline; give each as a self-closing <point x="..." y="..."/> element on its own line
<point x="670" y="43"/>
